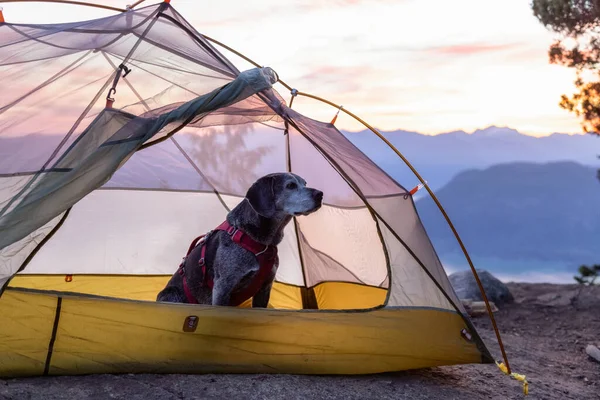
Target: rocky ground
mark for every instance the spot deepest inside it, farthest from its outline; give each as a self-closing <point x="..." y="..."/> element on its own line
<point x="545" y="332"/>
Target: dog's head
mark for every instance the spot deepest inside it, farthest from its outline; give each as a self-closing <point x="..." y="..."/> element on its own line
<point x="283" y="194"/>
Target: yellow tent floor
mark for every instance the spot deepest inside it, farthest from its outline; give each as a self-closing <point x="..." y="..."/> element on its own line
<point x="329" y="295"/>
<point x="58" y="333"/>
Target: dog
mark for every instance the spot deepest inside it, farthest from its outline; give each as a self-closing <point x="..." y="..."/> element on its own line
<point x="238" y="260"/>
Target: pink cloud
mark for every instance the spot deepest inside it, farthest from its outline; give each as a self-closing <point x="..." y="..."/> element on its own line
<point x="308" y="5"/>
<point x="473" y="49"/>
<point x="339" y="78"/>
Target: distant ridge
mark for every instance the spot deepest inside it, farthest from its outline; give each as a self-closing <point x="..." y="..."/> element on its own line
<point x="516" y="211"/>
<point x="439" y="158"/>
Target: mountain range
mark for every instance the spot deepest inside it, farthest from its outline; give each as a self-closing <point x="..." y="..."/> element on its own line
<point x="527" y="212"/>
<point x="441" y="157"/>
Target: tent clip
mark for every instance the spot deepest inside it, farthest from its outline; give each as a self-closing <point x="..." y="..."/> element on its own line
<point x="109" y="99"/>
<point x="336" y="115"/>
<point x="414" y="190"/>
<point x="127" y="70"/>
<point x="294" y="93"/>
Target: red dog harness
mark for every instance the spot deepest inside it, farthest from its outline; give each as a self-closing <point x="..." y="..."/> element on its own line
<point x="266" y="256"/>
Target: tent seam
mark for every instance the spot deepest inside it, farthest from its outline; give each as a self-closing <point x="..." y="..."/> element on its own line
<point x="53" y="336"/>
<point x="288" y="153"/>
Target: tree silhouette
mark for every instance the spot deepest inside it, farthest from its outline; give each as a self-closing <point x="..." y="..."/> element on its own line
<point x="224" y="158"/>
<point x="588" y="275"/>
<point x="578" y="24"/>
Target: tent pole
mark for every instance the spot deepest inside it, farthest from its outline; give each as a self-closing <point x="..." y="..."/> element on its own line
<point x="237" y="53"/>
<point x="413" y="169"/>
<point x="131" y="6"/>
<point x="78" y="3"/>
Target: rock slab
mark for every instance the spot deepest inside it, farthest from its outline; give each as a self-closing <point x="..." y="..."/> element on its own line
<point x="466" y="287"/>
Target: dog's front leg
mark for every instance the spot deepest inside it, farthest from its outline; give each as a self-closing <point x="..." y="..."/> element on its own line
<point x="261" y="299"/>
<point x="233" y="269"/>
<point x="221" y="294"/>
<point x="226" y="284"/>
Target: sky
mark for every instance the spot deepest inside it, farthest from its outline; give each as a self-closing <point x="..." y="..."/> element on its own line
<point x="428" y="66"/>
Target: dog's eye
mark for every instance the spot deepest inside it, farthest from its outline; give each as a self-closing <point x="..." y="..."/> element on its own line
<point x="291" y="185"/>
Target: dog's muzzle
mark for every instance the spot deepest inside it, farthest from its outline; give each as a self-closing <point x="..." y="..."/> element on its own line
<point x="317" y="197"/>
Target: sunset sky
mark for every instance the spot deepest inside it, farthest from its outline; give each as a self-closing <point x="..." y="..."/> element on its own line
<point x="429" y="66"/>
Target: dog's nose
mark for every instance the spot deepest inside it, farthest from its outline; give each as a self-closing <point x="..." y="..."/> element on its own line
<point x="318" y="195"/>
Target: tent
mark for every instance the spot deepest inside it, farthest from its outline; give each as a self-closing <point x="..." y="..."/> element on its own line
<point x="124" y="137"/>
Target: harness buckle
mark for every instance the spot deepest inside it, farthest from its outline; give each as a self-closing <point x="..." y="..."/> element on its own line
<point x="232" y="230"/>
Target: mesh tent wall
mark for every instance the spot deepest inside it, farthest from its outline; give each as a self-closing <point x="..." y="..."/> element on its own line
<point x="99" y="201"/>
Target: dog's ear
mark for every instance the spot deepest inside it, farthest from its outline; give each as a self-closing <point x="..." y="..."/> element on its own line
<point x="261" y="196"/>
